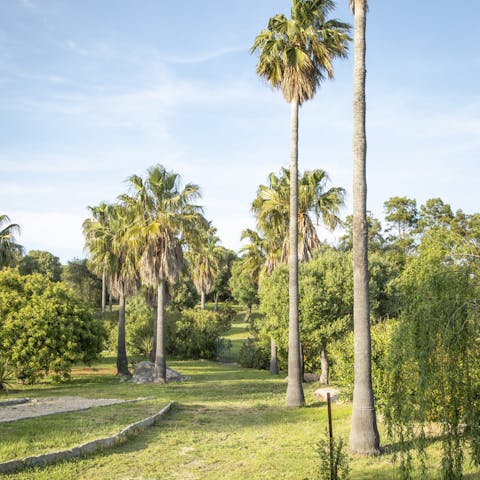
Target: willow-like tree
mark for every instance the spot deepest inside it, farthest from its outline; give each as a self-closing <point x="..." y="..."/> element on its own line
<point x="10" y="250"/>
<point x="108" y="242"/>
<point x="295" y="55"/>
<point x="166" y="217"/>
<point x="364" y="437"/>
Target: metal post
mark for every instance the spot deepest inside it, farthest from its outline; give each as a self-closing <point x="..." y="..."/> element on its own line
<point x="330" y="434"/>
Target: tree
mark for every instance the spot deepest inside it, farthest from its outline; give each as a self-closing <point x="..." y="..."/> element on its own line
<point x="203" y="260"/>
<point x="166" y="217"/>
<point x="434" y="213"/>
<point x="39" y="261"/>
<point x="271" y="208"/>
<point x="220" y="287"/>
<point x="243" y="285"/>
<point x="433" y="369"/>
<point x="295" y="55"/>
<point x="107" y="238"/>
<point x="402" y="214"/>
<point x="10" y="250"/>
<point x="82" y="281"/>
<point x="325" y="285"/>
<point x="44" y="327"/>
<point x="364" y="437"/>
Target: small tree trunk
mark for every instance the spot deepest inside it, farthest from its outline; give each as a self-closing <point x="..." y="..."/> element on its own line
<point x="295" y="396"/>
<point x="202" y="300"/>
<point x="160" y="371"/>
<point x="104" y="292"/>
<point x="217" y="295"/>
<point x="122" y="361"/>
<point x="273" y="357"/>
<point x="324" y="366"/>
<point x="110" y="302"/>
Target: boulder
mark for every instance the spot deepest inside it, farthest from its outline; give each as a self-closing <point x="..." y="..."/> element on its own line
<point x="321" y="394"/>
<point x="143" y="373"/>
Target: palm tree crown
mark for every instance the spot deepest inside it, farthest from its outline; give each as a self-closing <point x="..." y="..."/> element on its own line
<point x="271" y="208"/>
<point x="296" y="54"/>
<point x="9" y="248"/>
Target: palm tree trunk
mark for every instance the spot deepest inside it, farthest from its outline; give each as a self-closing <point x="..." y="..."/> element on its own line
<point x="217" y="295"/>
<point x="295" y="396"/>
<point x="364" y="438"/>
<point x="160" y="372"/>
<point x="104" y="292"/>
<point x="202" y="300"/>
<point x="122" y="361"/>
<point x="273" y="357"/>
<point x="154" y="343"/>
<point x="324" y="366"/>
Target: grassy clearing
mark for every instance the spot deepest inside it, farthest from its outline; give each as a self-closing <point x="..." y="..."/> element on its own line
<point x="228" y="423"/>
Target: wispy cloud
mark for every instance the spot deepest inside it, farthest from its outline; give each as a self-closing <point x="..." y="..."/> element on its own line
<point x="203" y="56"/>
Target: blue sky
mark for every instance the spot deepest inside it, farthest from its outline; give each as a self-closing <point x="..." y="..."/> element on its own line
<point x="92" y="92"/>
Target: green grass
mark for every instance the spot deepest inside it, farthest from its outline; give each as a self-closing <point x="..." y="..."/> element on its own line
<point x="227" y="423"/>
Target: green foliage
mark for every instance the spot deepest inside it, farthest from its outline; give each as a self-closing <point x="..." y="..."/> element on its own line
<point x="6" y="374"/>
<point x="83" y="282"/>
<point x="196" y="334"/>
<point x="433" y="369"/>
<point x="326" y="298"/>
<point x="43" y="327"/>
<point x="334" y="461"/>
<point x="190" y="333"/>
<point x="341" y="354"/>
<point x="254" y="354"/>
<point x="183" y="294"/>
<point x="39" y="261"/>
<point x="243" y="286"/>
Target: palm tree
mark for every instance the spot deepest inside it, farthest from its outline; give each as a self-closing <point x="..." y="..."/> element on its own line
<point x="203" y="260"/>
<point x="364" y="437"/>
<point x="295" y="56"/>
<point x="271" y="207"/>
<point x="166" y="218"/>
<point x="10" y="250"/>
<point x="107" y="240"/>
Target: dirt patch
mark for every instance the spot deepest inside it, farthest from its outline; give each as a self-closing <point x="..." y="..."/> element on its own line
<point x="46" y="406"/>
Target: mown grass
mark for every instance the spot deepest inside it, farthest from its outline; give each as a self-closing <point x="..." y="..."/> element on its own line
<point x="227" y="423"/>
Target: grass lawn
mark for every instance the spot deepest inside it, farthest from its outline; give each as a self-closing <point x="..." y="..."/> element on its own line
<point x="228" y="423"/>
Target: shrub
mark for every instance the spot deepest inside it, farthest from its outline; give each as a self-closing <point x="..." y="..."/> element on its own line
<point x="44" y="327"/>
<point x="196" y="333"/>
<point x="254" y="354"/>
<point x="189" y="333"/>
<point x="341" y="354"/>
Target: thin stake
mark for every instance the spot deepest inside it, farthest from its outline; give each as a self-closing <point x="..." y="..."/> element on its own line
<point x="330" y="434"/>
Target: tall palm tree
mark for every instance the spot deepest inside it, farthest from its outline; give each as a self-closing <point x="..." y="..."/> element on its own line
<point x="166" y="218"/>
<point x="108" y="243"/>
<point x="295" y="56"/>
<point x="364" y="437"/>
<point x="203" y="260"/>
<point x="10" y="250"/>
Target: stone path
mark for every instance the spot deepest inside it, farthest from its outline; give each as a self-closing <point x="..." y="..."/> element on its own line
<point x="46" y="406"/>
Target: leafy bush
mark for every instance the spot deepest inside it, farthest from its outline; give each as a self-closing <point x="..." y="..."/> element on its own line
<point x="334" y="465"/>
<point x="196" y="333"/>
<point x="44" y="327"/>
<point x="189" y="333"/>
<point x="254" y="354"/>
<point x="341" y="354"/>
